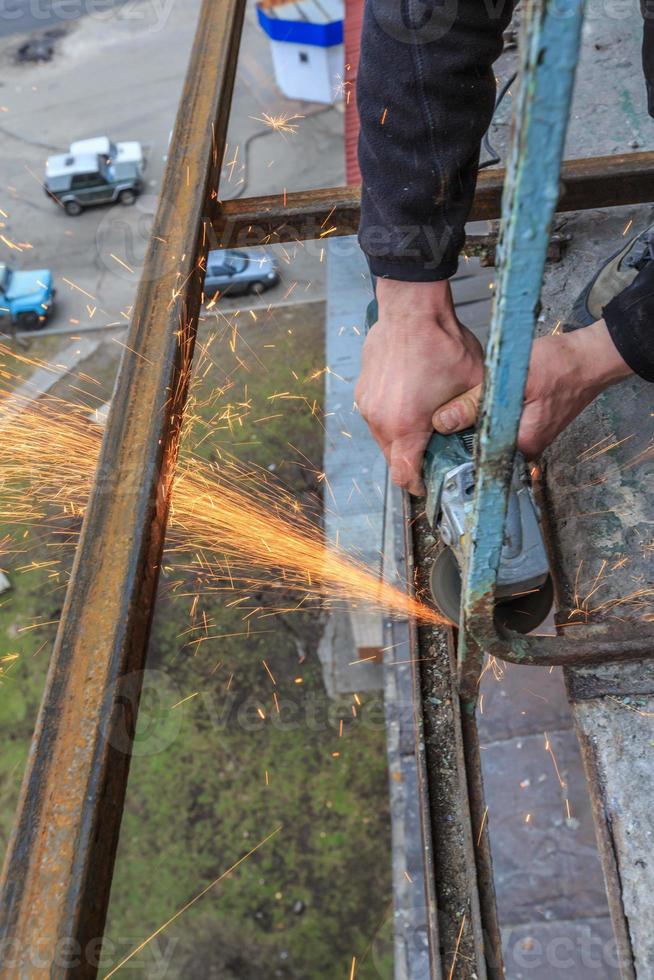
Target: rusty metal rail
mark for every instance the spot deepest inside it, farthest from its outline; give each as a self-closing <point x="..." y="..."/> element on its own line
<point x="589" y="182"/>
<point x="58" y="869"/>
<point x="57" y="874"/>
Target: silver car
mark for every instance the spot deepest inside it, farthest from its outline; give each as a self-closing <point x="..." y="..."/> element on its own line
<point x="236" y="273"/>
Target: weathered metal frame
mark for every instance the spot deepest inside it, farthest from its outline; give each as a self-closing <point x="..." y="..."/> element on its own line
<point x="58" y="869"/>
<point x="56" y="879"/>
<point x="403" y="644"/>
<point x="589" y="182"/>
<point x="460" y="915"/>
<point x="548" y="61"/>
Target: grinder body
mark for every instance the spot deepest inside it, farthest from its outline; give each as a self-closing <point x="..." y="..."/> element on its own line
<point x="523" y="592"/>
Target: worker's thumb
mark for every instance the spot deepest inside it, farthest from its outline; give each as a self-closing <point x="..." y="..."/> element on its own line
<point x="459" y="413"/>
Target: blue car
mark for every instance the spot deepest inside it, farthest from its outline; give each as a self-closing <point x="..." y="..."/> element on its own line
<point x="26" y="298"/>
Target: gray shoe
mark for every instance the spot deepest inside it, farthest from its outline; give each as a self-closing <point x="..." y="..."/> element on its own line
<point x="616" y="274"/>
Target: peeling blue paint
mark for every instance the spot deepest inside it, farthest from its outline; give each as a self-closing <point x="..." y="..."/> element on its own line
<point x="549" y="57"/>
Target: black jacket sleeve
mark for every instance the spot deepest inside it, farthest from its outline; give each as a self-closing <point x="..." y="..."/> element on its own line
<point x="425" y="94"/>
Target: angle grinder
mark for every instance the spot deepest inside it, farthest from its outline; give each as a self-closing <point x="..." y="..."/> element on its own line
<point x="524" y="592"/>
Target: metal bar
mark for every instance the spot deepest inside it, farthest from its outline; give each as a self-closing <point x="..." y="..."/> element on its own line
<point x="57" y="874"/>
<point x="462" y="889"/>
<point x="548" y="61"/>
<point x="606" y="182"/>
<point x="402" y="667"/>
<point x="492" y="937"/>
<point x="596" y="644"/>
<point x="593" y="182"/>
<point x="485" y="246"/>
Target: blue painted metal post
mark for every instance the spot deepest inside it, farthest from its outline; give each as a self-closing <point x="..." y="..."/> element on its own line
<point x="548" y="60"/>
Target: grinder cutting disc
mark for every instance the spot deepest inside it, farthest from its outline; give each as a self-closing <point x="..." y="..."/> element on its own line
<point x="523" y="612"/>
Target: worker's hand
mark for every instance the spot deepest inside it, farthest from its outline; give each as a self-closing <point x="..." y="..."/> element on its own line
<point x="415" y="358"/>
<point x="566" y="372"/>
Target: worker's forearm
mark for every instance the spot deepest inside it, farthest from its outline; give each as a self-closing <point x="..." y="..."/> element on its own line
<point x="425" y="92"/>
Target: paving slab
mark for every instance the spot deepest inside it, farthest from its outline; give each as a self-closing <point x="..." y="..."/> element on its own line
<point x="522" y="701"/>
<point x="580" y="950"/>
<point x="545" y="863"/>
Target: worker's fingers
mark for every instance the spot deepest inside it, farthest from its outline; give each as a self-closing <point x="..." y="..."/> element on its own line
<point x="459" y="413"/>
<point x="406" y="457"/>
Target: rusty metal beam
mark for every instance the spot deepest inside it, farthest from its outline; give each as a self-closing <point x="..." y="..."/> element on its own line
<point x="57" y="874"/>
<point x="465" y="938"/>
<point x="594" y="182"/>
<point x="404" y="704"/>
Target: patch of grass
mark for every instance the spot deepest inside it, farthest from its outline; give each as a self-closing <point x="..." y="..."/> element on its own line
<point x="24" y="657"/>
<point x="211" y="777"/>
<point x="229" y="778"/>
<point x="318" y="892"/>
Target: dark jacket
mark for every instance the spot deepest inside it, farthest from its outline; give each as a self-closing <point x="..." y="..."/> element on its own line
<point x="426" y="94"/>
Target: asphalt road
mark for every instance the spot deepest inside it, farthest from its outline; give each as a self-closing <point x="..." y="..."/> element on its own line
<point x="24" y="16"/>
<point x="96" y="259"/>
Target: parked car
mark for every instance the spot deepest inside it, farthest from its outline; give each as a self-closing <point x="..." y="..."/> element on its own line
<point x="123" y="156"/>
<point x="235" y="272"/>
<point x="26" y="298"/>
<point x="80" y="180"/>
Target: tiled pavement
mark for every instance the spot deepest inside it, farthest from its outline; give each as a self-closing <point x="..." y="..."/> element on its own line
<point x="550" y="892"/>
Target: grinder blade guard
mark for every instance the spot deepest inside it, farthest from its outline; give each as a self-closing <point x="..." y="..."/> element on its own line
<point x="524" y="593"/>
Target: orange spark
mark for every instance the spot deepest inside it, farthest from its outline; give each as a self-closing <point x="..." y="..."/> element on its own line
<point x="188" y="905"/>
<point x="233" y="527"/>
<point x="283" y="123"/>
<point x="456" y="948"/>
